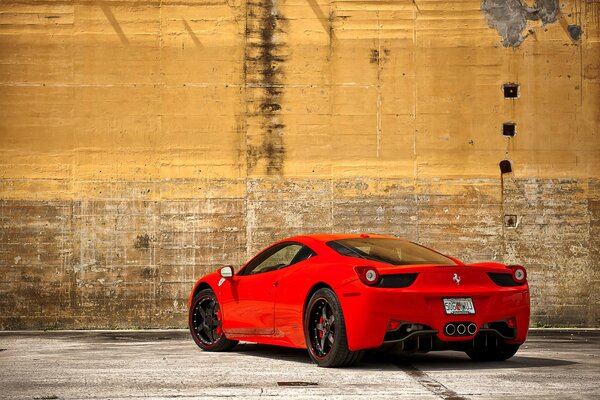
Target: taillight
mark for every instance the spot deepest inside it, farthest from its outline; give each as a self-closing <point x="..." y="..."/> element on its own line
<point x="519" y="274"/>
<point x="368" y="275"/>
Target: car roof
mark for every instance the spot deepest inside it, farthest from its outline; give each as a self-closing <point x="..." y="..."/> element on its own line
<point x="326" y="237"/>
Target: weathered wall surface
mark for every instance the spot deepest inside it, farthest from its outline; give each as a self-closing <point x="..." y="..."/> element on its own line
<point x="145" y="143"/>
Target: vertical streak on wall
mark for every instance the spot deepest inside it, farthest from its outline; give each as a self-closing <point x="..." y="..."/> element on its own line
<point x="593" y="314"/>
<point x="378" y="85"/>
<point x="415" y="172"/>
<point x="242" y="127"/>
<point x="153" y="272"/>
<point x="263" y="65"/>
<point x="503" y="212"/>
<point x="264" y="56"/>
<point x="330" y="81"/>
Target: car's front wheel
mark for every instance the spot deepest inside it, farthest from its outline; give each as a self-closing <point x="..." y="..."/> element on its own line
<point x="205" y="321"/>
<point x="325" y="331"/>
<point x="500" y="352"/>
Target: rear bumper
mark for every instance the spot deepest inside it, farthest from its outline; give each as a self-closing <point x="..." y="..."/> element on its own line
<point x="368" y="312"/>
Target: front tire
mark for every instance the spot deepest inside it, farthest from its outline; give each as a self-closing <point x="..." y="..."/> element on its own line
<point x="325" y="331"/>
<point x="500" y="352"/>
<point x="205" y="321"/>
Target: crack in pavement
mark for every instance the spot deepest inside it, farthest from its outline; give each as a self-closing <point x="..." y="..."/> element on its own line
<point x="429" y="383"/>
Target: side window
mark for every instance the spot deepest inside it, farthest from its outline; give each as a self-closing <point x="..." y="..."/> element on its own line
<point x="278" y="257"/>
<point x="304" y="254"/>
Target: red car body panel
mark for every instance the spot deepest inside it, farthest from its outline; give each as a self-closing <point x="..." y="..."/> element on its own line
<point x="269" y="307"/>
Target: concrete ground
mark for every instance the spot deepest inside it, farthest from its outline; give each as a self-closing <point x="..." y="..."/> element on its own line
<point x="167" y="364"/>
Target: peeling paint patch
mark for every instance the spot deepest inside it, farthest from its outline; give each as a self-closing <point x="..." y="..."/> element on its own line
<point x="509" y="17"/>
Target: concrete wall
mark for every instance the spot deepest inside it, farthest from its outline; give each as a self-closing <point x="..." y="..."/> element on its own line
<point x="146" y="143"/>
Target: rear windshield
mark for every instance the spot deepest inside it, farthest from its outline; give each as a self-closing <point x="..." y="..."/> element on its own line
<point x="390" y="251"/>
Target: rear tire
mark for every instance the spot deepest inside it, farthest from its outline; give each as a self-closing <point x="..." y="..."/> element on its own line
<point x="205" y="320"/>
<point x="325" y="331"/>
<point x="498" y="353"/>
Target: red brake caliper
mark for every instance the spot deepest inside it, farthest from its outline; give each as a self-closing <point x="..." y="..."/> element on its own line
<point x="321" y="320"/>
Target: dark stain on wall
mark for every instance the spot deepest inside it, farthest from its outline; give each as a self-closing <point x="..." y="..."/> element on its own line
<point x="270" y="107"/>
<point x="377" y="58"/>
<point x="509" y="17"/>
<point x="142" y="242"/>
<point x="374" y="59"/>
<point x="264" y="82"/>
<point x="574" y="31"/>
<point x="149" y="273"/>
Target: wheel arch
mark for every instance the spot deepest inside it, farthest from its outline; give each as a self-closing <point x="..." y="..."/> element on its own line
<point x="199" y="287"/>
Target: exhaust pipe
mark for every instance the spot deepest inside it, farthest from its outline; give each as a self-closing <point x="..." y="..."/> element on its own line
<point x="450" y="330"/>
<point x="460" y="329"/>
<point x="472" y="328"/>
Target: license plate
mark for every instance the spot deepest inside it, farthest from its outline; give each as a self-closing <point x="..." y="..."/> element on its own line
<point x="459" y="306"/>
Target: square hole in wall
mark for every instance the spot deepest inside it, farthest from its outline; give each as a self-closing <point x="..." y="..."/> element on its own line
<point x="510" y="220"/>
<point x="509" y="129"/>
<point x="511" y="90"/>
<point x="505" y="167"/>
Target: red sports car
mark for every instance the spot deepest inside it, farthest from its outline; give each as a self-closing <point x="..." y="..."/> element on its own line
<point x="338" y="295"/>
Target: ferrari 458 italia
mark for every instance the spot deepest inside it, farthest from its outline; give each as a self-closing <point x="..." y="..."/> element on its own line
<point x="339" y="295"/>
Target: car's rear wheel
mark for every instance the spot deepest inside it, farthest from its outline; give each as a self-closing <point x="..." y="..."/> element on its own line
<point x="325" y="331"/>
<point x="205" y="321"/>
<point x="500" y="352"/>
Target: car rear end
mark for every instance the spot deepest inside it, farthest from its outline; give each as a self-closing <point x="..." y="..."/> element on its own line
<point x="436" y="307"/>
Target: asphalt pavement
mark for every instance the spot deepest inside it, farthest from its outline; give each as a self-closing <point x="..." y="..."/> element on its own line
<point x="156" y="364"/>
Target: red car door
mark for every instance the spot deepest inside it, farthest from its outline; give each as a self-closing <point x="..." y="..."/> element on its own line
<point x="248" y="305"/>
<point x="248" y="299"/>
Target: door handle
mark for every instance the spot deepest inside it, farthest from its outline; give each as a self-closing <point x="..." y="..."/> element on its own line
<point x="275" y="284"/>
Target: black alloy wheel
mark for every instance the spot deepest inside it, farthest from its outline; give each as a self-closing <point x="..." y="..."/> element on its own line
<point x="322" y="327"/>
<point x="325" y="331"/>
<point x="205" y="323"/>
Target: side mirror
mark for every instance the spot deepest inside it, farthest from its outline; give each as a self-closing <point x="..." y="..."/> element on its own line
<point x="226" y="272"/>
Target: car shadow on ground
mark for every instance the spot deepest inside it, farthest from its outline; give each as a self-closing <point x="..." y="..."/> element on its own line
<point x="273" y="352"/>
<point x="458" y="361"/>
<point x="375" y="360"/>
